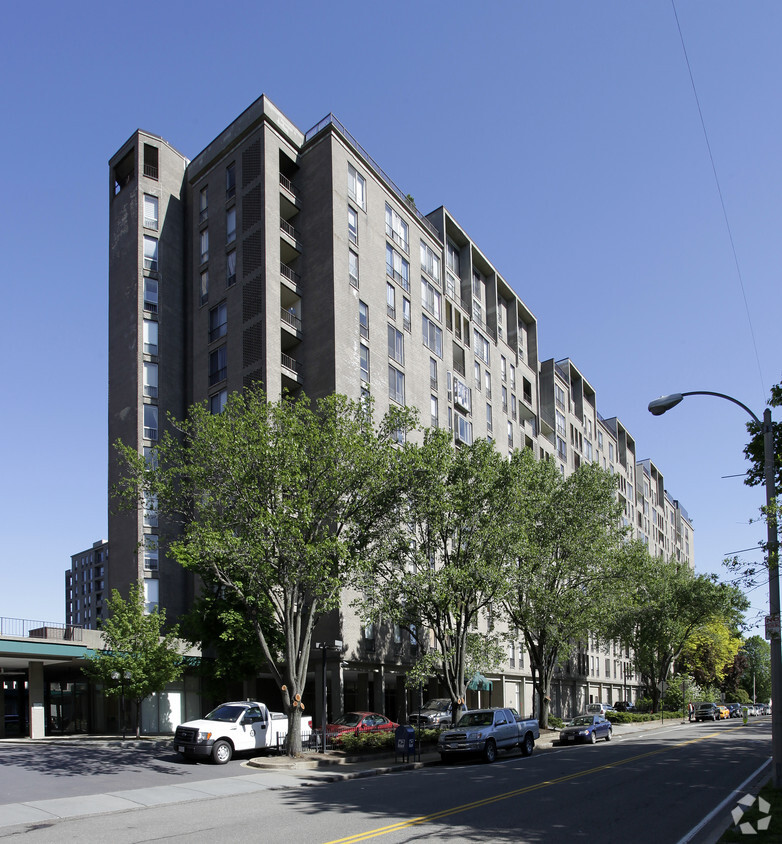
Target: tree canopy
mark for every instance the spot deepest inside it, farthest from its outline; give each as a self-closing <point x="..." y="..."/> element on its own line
<point x="272" y="500"/>
<point x="139" y="656"/>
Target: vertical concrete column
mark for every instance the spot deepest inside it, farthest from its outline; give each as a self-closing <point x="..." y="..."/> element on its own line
<point x="37" y="712"/>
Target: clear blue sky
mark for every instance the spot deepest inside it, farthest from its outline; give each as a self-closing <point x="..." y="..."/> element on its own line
<point x="564" y="137"/>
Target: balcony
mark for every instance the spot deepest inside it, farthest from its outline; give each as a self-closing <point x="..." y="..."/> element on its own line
<point x="290" y="319"/>
<point x="290" y="275"/>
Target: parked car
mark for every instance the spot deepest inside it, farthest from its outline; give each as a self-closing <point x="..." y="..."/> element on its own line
<point x="724" y="712"/>
<point x="707" y="712"/>
<point x="359" y="722"/>
<point x="751" y="709"/>
<point x="486" y="731"/>
<point x="735" y="710"/>
<point x="586" y="728"/>
<point x="624" y="706"/>
<point x="598" y="708"/>
<point x="435" y="713"/>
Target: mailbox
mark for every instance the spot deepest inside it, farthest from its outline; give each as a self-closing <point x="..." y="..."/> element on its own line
<point x="405" y="740"/>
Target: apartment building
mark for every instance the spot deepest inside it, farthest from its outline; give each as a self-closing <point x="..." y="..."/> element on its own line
<point x="290" y="258"/>
<point x="85" y="586"/>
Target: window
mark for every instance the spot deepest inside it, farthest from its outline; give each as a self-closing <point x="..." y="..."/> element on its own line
<point x="489" y="425"/>
<point x="512" y="377"/>
<point x="559" y="396"/>
<point x="364" y="362"/>
<point x="217" y="401"/>
<point x="510" y="434"/>
<point x="150" y="511"/>
<point x="611" y="457"/>
<point x="218" y="322"/>
<point x="150" y="379"/>
<point x="432" y="335"/>
<point x="150" y="336"/>
<point x="217" y="365"/>
<point x="503" y="368"/>
<point x="462" y="429"/>
<point x="150" y="295"/>
<point x="150" y="253"/>
<point x="150" y="161"/>
<point x="151" y="552"/>
<point x="600" y="440"/>
<point x="204" y="286"/>
<point x="230" y="181"/>
<point x="357" y="187"/>
<point x="230" y="225"/>
<point x="391" y="300"/>
<point x="363" y="319"/>
<point x="204" y="245"/>
<point x="527" y="387"/>
<point x="431" y="299"/>
<point x="487" y="375"/>
<point x="513" y="407"/>
<point x="432" y="374"/>
<point x="478" y="378"/>
<point x="406" y="313"/>
<point x="151" y="594"/>
<point x="352" y="225"/>
<point x="434" y="412"/>
<point x="396" y="228"/>
<point x="230" y="268"/>
<point x="430" y="263"/>
<point x="203" y="205"/>
<point x="462" y="395"/>
<point x="561" y="448"/>
<point x="397" y="267"/>
<point x="396" y="385"/>
<point x="504" y="392"/>
<point x="353" y="267"/>
<point x="452" y="262"/>
<point x="150" y="422"/>
<point x="396" y="345"/>
<point x="150" y="212"/>
<point x="481" y="347"/>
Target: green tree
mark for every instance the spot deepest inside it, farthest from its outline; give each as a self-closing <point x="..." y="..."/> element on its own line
<point x="434" y="568"/>
<point x="667" y="605"/>
<point x="709" y="653"/>
<point x="565" y="561"/>
<point x="139" y="656"/>
<point x="272" y="500"/>
<point x="755" y="451"/>
<point x="756" y="679"/>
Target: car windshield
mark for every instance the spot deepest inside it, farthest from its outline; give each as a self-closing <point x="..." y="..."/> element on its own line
<point x="439" y="705"/>
<point x="476" y="719"/>
<point x="583" y="721"/>
<point x="350" y="719"/>
<point x="225" y="713"/>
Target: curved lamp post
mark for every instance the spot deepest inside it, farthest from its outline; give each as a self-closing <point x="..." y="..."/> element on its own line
<point x="659" y="406"/>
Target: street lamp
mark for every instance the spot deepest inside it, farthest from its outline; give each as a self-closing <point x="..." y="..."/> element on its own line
<point x="324" y="647"/>
<point x="659" y="406"/>
<point x="123" y="678"/>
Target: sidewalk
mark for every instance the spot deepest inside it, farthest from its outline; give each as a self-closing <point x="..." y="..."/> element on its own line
<point x="263" y="773"/>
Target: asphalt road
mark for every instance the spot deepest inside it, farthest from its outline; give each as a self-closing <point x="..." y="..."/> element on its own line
<point x="652" y="787"/>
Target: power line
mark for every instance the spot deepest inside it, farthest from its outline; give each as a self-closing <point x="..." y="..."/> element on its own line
<point x="722" y="201"/>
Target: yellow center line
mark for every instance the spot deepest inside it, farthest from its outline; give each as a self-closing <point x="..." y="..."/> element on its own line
<point x="487" y="801"/>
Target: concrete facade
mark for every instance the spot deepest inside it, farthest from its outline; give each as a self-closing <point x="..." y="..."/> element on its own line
<point x="290" y="258"/>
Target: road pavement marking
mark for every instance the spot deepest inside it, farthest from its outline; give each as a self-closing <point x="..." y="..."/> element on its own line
<point x="497" y="798"/>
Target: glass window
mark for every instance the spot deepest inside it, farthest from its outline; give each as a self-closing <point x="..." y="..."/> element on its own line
<point x="481" y="347"/>
<point x="150" y="295"/>
<point x="396" y="385"/>
<point x="364" y="362"/>
<point x="217" y="365"/>
<point x="396" y="345"/>
<point x="452" y="262"/>
<point x="503" y="368"/>
<point x="203" y="204"/>
<point x="353" y="267"/>
<point x="504" y="393"/>
<point x="489" y="426"/>
<point x="217" y="401"/>
<point x="230" y="268"/>
<point x="230" y="225"/>
<point x="150" y="422"/>
<point x="391" y="300"/>
<point x="396" y="228"/>
<point x="204" y="245"/>
<point x="433" y="373"/>
<point x="230" y="181"/>
<point x="151" y="552"/>
<point x="478" y="378"/>
<point x="462" y="429"/>
<point x="432" y="336"/>
<point x="434" y="412"/>
<point x="150" y="511"/>
<point x="150" y="212"/>
<point x="353" y="225"/>
<point x="430" y="263"/>
<point x="431" y="299"/>
<point x="357" y="187"/>
<point x="150" y="337"/>
<point x="151" y="594"/>
<point x="150" y="379"/>
<point x="363" y="319"/>
<point x="397" y="267"/>
<point x="405" y="313"/>
<point x="218" y="322"/>
<point x="150" y="253"/>
<point x="487" y="375"/>
<point x="204" y="286"/>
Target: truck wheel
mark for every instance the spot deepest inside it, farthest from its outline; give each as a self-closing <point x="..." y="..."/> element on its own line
<point x="527" y="745"/>
<point x="592" y="737"/>
<point x="221" y="752"/>
<point x="490" y="751"/>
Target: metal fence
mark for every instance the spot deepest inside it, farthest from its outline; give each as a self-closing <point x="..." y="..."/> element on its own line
<point x="23" y="628"/>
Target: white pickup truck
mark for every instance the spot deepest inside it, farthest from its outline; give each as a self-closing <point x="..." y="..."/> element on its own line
<point x="486" y="731"/>
<point x="231" y="728"/>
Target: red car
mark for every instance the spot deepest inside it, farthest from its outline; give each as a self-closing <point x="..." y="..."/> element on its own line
<point x="360" y="722"/>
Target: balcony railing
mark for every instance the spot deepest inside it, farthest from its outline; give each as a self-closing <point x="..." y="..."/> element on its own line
<point x="288" y="185"/>
<point x="290" y="363"/>
<point x="23" y="628"/>
<point x="150" y="170"/>
<point x="290" y="318"/>
<point x="286" y="227"/>
<point x="292" y="276"/>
